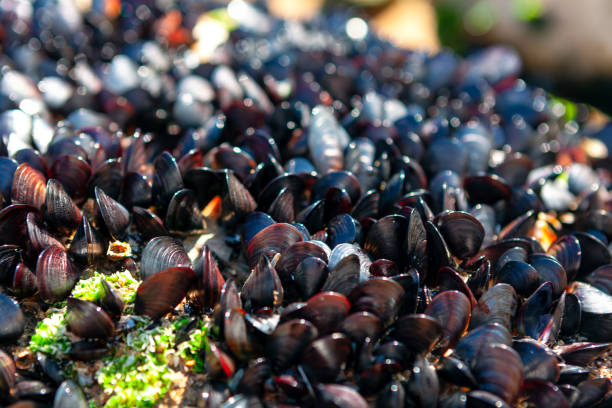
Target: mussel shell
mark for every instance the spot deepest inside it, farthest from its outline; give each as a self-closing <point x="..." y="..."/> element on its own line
<point x="88" y="320"/>
<point x="56" y="275"/>
<point x="521" y="276"/>
<point x="310" y="275"/>
<point x="339" y="179"/>
<point x="240" y="341"/>
<point x="161" y="292"/>
<point x="263" y="287"/>
<point x="88" y="350"/>
<point x="594" y="254"/>
<point x="539" y="362"/>
<point x="484" y="399"/>
<point x="292" y="256"/>
<point x="115" y="216"/>
<point x="567" y="251"/>
<point x="338" y="396"/>
<point x="498" y="304"/>
<point x="39" y="237"/>
<point x="60" y="211"/>
<point x="419" y="332"/>
<point x="7" y="372"/>
<point x="162" y="253"/>
<point x="470" y="345"/>
<point x="183" y="213"/>
<point x="499" y="370"/>
<point x="423" y="386"/>
<point x="601" y="278"/>
<point x="325" y="357"/>
<point x="7" y="172"/>
<point x="285" y="345"/>
<point x="380" y="296"/>
<point x="592" y="391"/>
<point x="86" y="245"/>
<point x="29" y="186"/>
<point x="326" y="310"/>
<point x="70" y="395"/>
<point x="384" y="238"/>
<point x="218" y="364"/>
<point x="455" y="371"/>
<point x="12" y="320"/>
<point x="210" y="282"/>
<point x="550" y="270"/>
<point x="453" y="310"/>
<point x="109" y="177"/>
<point x="167" y="179"/>
<point x="344" y="276"/>
<point x="147" y="223"/>
<point x="273" y="239"/>
<point x="73" y="173"/>
<point x="462" y="233"/>
<point x="572" y="374"/>
<point x="10" y="256"/>
<point x="24" y="281"/>
<point x="530" y="314"/>
<point x="237" y="197"/>
<point x="486" y="188"/>
<point x="136" y="190"/>
<point x="596" y="324"/>
<point x="360" y="326"/>
<point x="343" y="229"/>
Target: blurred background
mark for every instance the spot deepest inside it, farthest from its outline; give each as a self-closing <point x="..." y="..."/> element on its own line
<point x="566" y="45"/>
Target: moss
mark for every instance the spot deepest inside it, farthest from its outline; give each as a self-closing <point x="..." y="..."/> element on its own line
<point x="142" y="374"/>
<point x="193" y="349"/>
<point x="50" y="336"/>
<point x="122" y="282"/>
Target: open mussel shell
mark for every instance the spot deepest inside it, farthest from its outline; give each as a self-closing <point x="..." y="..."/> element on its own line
<point x="60" y="211"/>
<point x="56" y="275"/>
<point x="183" y="213"/>
<point x="209" y="281"/>
<point x="453" y="310"/>
<point x="271" y="240"/>
<point x="499" y="370"/>
<point x="12" y="320"/>
<point x="88" y="320"/>
<point x="462" y="233"/>
<point x="162" y="253"/>
<point x="596" y="321"/>
<point x="379" y="296"/>
<point x="29" y="187"/>
<point x="326" y="357"/>
<point x="69" y="395"/>
<point x="285" y="345"/>
<point x="263" y="287"/>
<point x="419" y="332"/>
<point x="86" y="245"/>
<point x="115" y="216"/>
<point x="161" y="292"/>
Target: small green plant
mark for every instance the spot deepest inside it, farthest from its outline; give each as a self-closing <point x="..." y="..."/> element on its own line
<point x="50" y="335"/>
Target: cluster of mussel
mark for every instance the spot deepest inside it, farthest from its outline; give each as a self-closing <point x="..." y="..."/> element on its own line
<point x="419" y="230"/>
